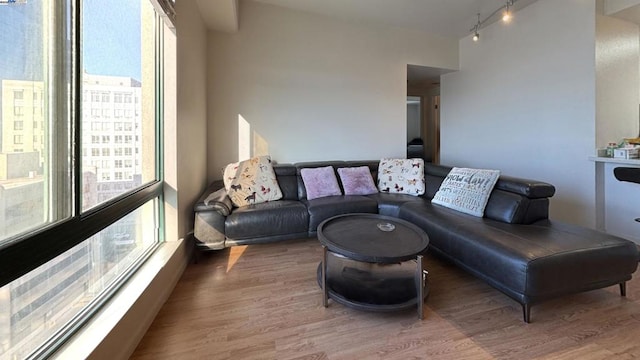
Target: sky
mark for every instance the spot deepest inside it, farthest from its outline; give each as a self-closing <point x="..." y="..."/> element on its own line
<point x="111" y="37"/>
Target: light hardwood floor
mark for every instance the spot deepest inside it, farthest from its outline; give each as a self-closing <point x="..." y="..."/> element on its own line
<point x="263" y="302"/>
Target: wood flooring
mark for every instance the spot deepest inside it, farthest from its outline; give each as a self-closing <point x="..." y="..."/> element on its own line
<point x="263" y="302"/>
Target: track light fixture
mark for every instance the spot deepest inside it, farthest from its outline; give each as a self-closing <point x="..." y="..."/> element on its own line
<point x="476" y="34"/>
<point x="507" y="14"/>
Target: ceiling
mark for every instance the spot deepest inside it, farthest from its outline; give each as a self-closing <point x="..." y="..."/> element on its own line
<point x="449" y="18"/>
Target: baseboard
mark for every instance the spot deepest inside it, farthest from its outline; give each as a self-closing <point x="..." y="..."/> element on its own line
<point x="114" y="333"/>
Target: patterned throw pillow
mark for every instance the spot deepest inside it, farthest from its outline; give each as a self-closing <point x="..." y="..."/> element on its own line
<point x="320" y="182"/>
<point x="357" y="181"/>
<point x="251" y="181"/>
<point x="402" y="176"/>
<point x="467" y="190"/>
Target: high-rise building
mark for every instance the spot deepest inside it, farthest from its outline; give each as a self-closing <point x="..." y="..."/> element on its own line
<point x="111" y="132"/>
<point x="111" y="157"/>
<point x="21" y="43"/>
<point x="23" y="127"/>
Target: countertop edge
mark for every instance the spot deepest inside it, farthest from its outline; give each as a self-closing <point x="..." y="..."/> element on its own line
<point x="615" y="160"/>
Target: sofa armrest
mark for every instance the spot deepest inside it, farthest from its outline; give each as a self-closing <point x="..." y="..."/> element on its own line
<point x="214" y="198"/>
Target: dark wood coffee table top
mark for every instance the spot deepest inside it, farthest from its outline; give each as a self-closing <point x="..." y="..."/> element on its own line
<point x="372" y="238"/>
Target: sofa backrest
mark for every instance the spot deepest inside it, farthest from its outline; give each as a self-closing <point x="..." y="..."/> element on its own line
<point x="513" y="200"/>
<point x="290" y="180"/>
<point x="302" y="191"/>
<point x="287" y="180"/>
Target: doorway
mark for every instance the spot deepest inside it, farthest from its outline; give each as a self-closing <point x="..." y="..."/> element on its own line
<point x="423" y="127"/>
<point x="423" y="112"/>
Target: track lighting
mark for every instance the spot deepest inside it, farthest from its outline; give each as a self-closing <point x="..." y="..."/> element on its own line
<point x="506" y="17"/>
<point x="476" y="34"/>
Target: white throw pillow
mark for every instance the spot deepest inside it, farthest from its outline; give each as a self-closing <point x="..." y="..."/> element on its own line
<point x="467" y="190"/>
<point x="401" y="176"/>
<point x="251" y="181"/>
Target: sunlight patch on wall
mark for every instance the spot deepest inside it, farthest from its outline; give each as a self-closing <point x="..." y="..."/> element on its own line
<point x="244" y="139"/>
<point x="245" y="150"/>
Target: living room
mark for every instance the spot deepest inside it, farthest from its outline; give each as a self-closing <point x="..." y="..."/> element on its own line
<point x="358" y="74"/>
<point x="301" y="86"/>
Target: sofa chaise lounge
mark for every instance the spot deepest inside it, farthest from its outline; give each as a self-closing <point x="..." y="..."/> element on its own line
<point x="515" y="247"/>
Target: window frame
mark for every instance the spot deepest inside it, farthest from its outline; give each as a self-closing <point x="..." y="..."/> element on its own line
<point x="17" y="255"/>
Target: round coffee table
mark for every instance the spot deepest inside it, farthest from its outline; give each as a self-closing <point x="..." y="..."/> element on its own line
<point x="368" y="262"/>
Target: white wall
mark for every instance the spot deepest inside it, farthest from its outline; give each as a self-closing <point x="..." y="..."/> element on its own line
<point x="524" y="102"/>
<point x="618" y="80"/>
<point x="311" y="87"/>
<point x="190" y="137"/>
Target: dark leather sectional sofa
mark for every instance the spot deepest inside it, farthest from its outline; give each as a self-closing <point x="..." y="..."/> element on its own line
<point x="515" y="247"/>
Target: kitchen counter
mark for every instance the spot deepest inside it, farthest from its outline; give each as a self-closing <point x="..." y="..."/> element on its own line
<point x="616" y="201"/>
<point x="615" y="160"/>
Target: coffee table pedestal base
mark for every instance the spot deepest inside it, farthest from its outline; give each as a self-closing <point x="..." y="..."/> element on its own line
<point x="373" y="286"/>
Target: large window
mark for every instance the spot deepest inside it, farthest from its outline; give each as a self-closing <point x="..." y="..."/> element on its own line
<point x="73" y="225"/>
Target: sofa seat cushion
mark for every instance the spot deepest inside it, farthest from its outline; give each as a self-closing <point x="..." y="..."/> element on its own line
<point x="389" y="204"/>
<point x="324" y="208"/>
<point x="267" y="219"/>
<point x="530" y="263"/>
